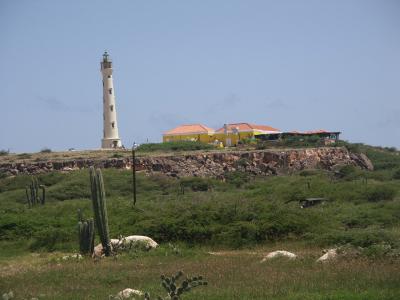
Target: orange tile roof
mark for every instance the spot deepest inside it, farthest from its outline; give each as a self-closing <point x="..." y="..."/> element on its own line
<point x="190" y="129"/>
<point x="315" y="131"/>
<point x="247" y="127"/>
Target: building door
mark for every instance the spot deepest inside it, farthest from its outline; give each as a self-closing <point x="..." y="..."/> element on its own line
<point x="228" y="142"/>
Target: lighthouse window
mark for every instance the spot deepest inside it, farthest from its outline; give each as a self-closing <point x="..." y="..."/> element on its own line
<point x="112" y="124"/>
<point x="110" y="91"/>
<point x="109" y="76"/>
<point x="112" y="107"/>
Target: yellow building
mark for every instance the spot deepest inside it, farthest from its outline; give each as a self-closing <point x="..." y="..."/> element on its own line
<point x="190" y="132"/>
<point x="231" y="134"/>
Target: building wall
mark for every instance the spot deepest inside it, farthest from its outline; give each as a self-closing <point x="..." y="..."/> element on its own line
<point x="234" y="137"/>
<point x="204" y="138"/>
<point x="220" y="137"/>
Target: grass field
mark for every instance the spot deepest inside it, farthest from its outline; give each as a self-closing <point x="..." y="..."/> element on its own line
<point x="234" y="274"/>
<point x="240" y="219"/>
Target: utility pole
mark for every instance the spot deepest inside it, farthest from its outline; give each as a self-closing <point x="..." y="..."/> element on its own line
<point x="134" y="174"/>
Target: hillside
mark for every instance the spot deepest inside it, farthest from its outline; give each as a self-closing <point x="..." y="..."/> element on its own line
<point x="362" y="210"/>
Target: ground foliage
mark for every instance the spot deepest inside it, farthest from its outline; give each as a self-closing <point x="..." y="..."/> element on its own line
<point x="362" y="207"/>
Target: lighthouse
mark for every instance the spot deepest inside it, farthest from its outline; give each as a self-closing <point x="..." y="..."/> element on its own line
<point x="110" y="126"/>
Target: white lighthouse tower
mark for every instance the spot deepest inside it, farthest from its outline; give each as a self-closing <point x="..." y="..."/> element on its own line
<point x="110" y="127"/>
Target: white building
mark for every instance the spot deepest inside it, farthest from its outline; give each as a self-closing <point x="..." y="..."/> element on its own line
<point x="110" y="126"/>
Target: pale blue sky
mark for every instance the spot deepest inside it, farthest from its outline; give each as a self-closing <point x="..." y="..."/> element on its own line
<point x="294" y="65"/>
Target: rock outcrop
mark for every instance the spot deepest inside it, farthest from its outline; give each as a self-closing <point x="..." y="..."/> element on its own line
<point x="279" y="253"/>
<point x="210" y="164"/>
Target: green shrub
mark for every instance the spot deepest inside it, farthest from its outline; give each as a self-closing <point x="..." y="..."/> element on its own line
<point x="4" y="152"/>
<point x="349" y="172"/>
<point x="50" y="239"/>
<point x="197" y="184"/>
<point x="237" y="178"/>
<point x="379" y="192"/>
<point x="24" y="155"/>
<point x="396" y="174"/>
<point x="174" y="146"/>
<point x="45" y="150"/>
<point x="377" y="250"/>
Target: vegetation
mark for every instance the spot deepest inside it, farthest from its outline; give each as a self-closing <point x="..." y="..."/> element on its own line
<point x="4" y="152"/>
<point x="243" y="212"/>
<point x="230" y="274"/>
<point x="45" y="150"/>
<point x="24" y="155"/>
<point x="174" y="292"/>
<point x="99" y="210"/>
<point x="85" y="234"/>
<point x="174" y="146"/>
<point x="32" y="193"/>
<point x="293" y="142"/>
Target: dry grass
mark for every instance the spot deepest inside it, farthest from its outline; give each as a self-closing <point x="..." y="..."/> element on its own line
<point x="231" y="275"/>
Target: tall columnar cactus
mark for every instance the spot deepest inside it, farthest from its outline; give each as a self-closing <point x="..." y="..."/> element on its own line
<point x="86" y="236"/>
<point x="100" y="209"/>
<point x="32" y="193"/>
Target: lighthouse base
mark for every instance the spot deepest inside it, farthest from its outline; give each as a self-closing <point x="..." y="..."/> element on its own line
<point x="111" y="143"/>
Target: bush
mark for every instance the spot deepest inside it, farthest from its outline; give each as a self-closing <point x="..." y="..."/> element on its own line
<point x="379" y="192"/>
<point x="356" y="237"/>
<point x="197" y="184"/>
<point x="4" y="152"/>
<point x="45" y="150"/>
<point x="24" y="155"/>
<point x="237" y="178"/>
<point x="396" y="174"/>
<point x="50" y="239"/>
<point x="174" y="146"/>
<point x="348" y="172"/>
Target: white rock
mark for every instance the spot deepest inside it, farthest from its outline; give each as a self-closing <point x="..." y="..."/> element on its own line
<point x="98" y="251"/>
<point x="128" y="293"/>
<point x="279" y="253"/>
<point x="329" y="255"/>
<point x="126" y="242"/>
<point x="132" y="239"/>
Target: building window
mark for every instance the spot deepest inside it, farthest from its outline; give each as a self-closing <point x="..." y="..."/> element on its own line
<point x="112" y="124"/>
<point x="109" y="76"/>
<point x="110" y="91"/>
<point x="112" y="107"/>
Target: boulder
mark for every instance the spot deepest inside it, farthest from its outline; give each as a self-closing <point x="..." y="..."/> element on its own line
<point x="137" y="239"/>
<point x="129" y="293"/>
<point x="127" y="242"/>
<point x="329" y="255"/>
<point x="279" y="253"/>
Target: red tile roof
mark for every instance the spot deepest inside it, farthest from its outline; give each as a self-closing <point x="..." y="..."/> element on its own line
<point x="190" y="129"/>
<point x="315" y="131"/>
<point x="243" y="127"/>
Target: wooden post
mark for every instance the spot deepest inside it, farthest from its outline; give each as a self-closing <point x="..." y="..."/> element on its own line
<point x="133" y="175"/>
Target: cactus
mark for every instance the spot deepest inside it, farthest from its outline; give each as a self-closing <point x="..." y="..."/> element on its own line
<point x="32" y="193"/>
<point x="86" y="236"/>
<point x="100" y="209"/>
<point x="174" y="292"/>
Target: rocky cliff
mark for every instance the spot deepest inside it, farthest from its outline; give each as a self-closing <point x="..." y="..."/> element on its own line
<point x="213" y="164"/>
